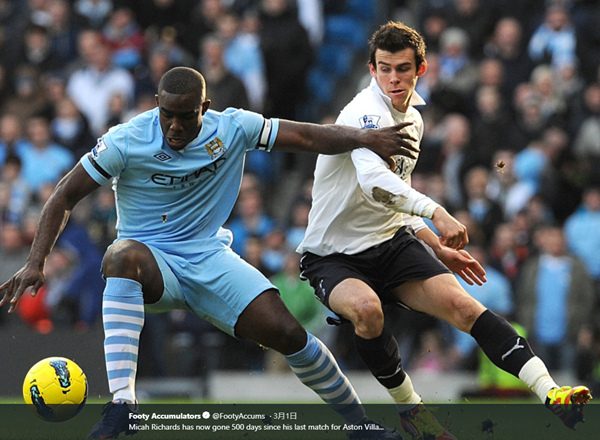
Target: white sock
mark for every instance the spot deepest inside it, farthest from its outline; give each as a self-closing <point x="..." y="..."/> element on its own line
<point x="405" y="396"/>
<point x="535" y="374"/>
<point x="123" y="318"/>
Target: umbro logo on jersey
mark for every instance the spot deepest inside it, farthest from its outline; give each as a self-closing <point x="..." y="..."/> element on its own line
<point x="162" y="156"/>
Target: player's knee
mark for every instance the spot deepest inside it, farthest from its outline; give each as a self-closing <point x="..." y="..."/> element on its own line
<point x="289" y="338"/>
<point x="465" y="310"/>
<point x="368" y="318"/>
<point x="124" y="259"/>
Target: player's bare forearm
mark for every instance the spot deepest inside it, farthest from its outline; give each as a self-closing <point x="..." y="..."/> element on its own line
<point x="53" y="219"/>
<point x="69" y="191"/>
<point x="336" y="139"/>
<point x="454" y="233"/>
<point x="458" y="261"/>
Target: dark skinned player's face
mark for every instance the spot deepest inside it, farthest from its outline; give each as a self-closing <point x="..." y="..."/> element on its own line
<point x="180" y="117"/>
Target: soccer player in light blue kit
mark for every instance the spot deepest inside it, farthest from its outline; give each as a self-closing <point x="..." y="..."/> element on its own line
<point x="176" y="171"/>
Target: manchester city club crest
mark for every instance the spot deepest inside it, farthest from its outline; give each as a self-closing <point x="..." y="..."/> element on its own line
<point x="369" y="121"/>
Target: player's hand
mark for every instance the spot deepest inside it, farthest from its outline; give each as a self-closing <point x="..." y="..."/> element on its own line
<point x="453" y="233"/>
<point x="393" y="141"/>
<point x="463" y="264"/>
<point x="27" y="277"/>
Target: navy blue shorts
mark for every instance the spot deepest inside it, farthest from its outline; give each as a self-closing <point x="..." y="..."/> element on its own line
<point x="383" y="267"/>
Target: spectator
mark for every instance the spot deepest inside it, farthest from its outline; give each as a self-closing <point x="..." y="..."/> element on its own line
<point x="288" y="56"/>
<point x="506" y="254"/>
<point x="87" y="41"/>
<point x="146" y="82"/>
<point x="552" y="105"/>
<point x="297" y="224"/>
<point x="503" y="179"/>
<point x="11" y="135"/>
<point x="43" y="160"/>
<point x="95" y="12"/>
<point x="71" y="129"/>
<point x="29" y="101"/>
<point x="275" y="249"/>
<point x="529" y="122"/>
<point x="250" y="219"/>
<point x="38" y="13"/>
<point x="102" y="225"/>
<point x="38" y="51"/>
<point x="588" y="39"/>
<point x="476" y="18"/>
<point x="310" y="15"/>
<point x="434" y="24"/>
<point x="91" y="87"/>
<point x="124" y="37"/>
<point x="17" y="193"/>
<point x="491" y="126"/>
<point x="584" y="105"/>
<point x="167" y="42"/>
<point x="225" y="89"/>
<point x="560" y="182"/>
<point x="582" y="231"/>
<point x="554" y="41"/>
<point x="456" y="144"/>
<point x="587" y="148"/>
<point x="508" y="46"/>
<point x="486" y="213"/>
<point x="554" y="297"/>
<point x="13" y="251"/>
<point x="81" y="295"/>
<point x="243" y="56"/>
<point x="63" y="30"/>
<point x="204" y="20"/>
<point x="457" y="69"/>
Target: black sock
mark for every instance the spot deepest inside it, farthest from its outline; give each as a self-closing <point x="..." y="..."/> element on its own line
<point x="382" y="356"/>
<point x="501" y="342"/>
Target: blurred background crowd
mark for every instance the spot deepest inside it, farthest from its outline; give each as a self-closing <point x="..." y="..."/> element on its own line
<point x="511" y="148"/>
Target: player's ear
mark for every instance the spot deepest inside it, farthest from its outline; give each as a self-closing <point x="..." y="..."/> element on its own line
<point x="422" y="69"/>
<point x="205" y="106"/>
<point x="372" y="70"/>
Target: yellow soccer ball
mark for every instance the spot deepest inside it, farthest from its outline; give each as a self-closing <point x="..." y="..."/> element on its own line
<point x="55" y="389"/>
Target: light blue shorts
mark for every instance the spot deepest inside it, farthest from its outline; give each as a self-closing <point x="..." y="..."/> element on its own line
<point x="217" y="286"/>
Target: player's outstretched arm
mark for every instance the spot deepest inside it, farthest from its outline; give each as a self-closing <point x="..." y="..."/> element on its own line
<point x="69" y="191"/>
<point x="335" y="139"/>
<point x="457" y="260"/>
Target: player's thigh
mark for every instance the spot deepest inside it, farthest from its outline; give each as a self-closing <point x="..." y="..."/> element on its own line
<point x="443" y="297"/>
<point x="220" y="285"/>
<point x="357" y="302"/>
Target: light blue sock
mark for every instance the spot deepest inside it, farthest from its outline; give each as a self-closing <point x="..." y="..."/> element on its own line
<point x="316" y="368"/>
<point x="123" y="318"/>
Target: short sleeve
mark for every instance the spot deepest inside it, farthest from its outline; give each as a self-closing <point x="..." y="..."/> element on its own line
<point x="261" y="131"/>
<point x="106" y="160"/>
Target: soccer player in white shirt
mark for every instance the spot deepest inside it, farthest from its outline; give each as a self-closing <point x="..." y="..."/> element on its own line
<point x="363" y="246"/>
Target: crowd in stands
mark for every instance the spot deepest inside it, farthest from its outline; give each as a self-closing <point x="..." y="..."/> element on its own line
<point x="511" y="148"/>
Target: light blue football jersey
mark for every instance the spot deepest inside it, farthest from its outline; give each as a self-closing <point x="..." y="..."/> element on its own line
<point x="178" y="200"/>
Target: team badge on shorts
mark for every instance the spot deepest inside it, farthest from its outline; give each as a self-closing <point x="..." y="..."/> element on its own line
<point x="369" y="121"/>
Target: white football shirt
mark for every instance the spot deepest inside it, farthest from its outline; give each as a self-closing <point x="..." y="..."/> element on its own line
<point x="358" y="202"/>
